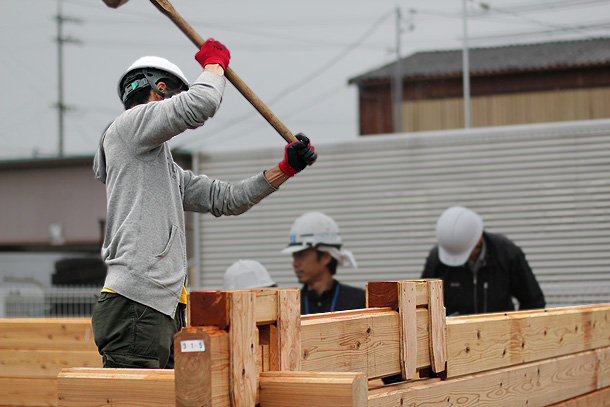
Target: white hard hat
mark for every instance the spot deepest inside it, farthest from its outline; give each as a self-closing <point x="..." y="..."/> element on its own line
<point x="148" y="62"/>
<point x="320" y="231"/>
<point x="458" y="230"/>
<point x="246" y="274"/>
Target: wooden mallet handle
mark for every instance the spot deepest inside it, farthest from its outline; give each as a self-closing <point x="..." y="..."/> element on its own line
<point x="166" y="8"/>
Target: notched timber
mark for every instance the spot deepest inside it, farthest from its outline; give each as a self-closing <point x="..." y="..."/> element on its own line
<point x="386" y="293"/>
<point x="354" y="341"/>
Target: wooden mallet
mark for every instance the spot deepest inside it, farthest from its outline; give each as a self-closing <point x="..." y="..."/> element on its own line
<point x="166" y="8"/>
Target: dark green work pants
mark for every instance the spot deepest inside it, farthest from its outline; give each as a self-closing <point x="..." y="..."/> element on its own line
<point x="129" y="334"/>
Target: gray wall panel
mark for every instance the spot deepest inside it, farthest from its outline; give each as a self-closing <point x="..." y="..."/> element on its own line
<point x="545" y="186"/>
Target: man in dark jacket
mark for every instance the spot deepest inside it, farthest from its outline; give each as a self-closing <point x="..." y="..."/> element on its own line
<point x="481" y="271"/>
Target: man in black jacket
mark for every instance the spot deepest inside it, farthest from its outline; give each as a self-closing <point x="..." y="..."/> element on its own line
<point x="481" y="271"/>
<point x="315" y="245"/>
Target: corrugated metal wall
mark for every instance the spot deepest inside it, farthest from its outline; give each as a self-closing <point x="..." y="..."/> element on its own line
<point x="545" y="186"/>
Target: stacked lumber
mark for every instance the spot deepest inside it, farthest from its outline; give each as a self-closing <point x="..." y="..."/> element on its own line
<point x="252" y="347"/>
<point x="34" y="351"/>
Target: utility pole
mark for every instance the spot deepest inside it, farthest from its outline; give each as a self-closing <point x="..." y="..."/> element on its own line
<point x="61" y="40"/>
<point x="397" y="82"/>
<point x="466" y="69"/>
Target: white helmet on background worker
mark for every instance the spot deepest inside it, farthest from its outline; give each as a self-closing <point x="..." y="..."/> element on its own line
<point x="146" y="72"/>
<point x="458" y="230"/>
<point x="319" y="231"/>
<point x="246" y="274"/>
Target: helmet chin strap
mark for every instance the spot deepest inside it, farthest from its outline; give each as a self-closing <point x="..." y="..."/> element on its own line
<point x="152" y="84"/>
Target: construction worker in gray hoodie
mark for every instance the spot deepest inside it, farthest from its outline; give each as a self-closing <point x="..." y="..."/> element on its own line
<point x="140" y="307"/>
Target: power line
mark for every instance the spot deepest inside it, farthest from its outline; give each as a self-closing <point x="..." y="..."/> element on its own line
<point x="515" y="12"/>
<point x="554" y="28"/>
<point x="518" y="15"/>
<point x="333" y="61"/>
<point x="244" y="47"/>
<point x="304" y="81"/>
<point x="296" y="110"/>
<point x="235" y="27"/>
<point x="487" y="11"/>
<point x="539" y="6"/>
<point x="559" y="30"/>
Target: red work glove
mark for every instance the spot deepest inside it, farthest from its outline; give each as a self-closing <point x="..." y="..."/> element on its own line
<point x="213" y="52"/>
<point x="298" y="155"/>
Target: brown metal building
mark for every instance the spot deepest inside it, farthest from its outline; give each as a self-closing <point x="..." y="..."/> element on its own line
<point x="517" y="84"/>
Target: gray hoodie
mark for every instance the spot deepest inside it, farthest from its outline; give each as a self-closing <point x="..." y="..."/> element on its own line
<point x="147" y="194"/>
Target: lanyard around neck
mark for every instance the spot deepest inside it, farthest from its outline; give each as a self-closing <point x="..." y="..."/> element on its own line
<point x="332" y="306"/>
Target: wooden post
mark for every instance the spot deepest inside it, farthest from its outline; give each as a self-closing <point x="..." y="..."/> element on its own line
<point x="405" y="297"/>
<point x="437" y="326"/>
<point x="193" y="368"/>
<point x="276" y="346"/>
<point x="243" y="339"/>
<point x="289" y="330"/>
<point x="408" y="329"/>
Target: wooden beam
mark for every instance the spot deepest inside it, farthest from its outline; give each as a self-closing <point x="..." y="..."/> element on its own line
<point x="359" y="341"/>
<point x="343" y="315"/>
<point x="243" y="339"/>
<point x="44" y="363"/>
<point x="207" y="308"/>
<point x="536" y="384"/>
<point x="298" y="389"/>
<point x="94" y="387"/>
<point x="600" y="398"/>
<point x="88" y="387"/>
<point x="193" y="368"/>
<point x="483" y="342"/>
<point x="28" y="392"/>
<point x="47" y="333"/>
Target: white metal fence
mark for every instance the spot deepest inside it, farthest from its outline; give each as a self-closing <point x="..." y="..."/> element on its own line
<point x="56" y="302"/>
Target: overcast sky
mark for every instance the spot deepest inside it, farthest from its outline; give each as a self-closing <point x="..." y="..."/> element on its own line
<point x="297" y="56"/>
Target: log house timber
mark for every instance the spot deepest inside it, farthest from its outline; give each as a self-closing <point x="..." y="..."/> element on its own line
<point x="554" y="357"/>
